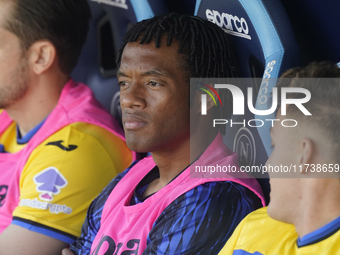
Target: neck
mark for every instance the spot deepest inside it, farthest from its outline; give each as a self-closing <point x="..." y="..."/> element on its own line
<point x="319" y="207"/>
<point x="173" y="161"/>
<point x="41" y="98"/>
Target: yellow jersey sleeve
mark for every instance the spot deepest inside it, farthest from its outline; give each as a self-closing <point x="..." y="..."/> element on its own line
<point x="64" y="174"/>
<point x="258" y="234"/>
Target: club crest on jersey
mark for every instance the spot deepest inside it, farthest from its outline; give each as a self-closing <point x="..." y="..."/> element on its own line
<point x="49" y="182"/>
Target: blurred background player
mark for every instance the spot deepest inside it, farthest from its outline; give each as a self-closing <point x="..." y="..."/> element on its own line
<point x="303" y="216"/>
<point x="58" y="147"/>
<point x="154" y="207"/>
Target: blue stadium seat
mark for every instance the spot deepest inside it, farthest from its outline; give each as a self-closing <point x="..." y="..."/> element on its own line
<point x="180" y="6"/>
<point x="264" y="45"/>
<point x="315" y="24"/>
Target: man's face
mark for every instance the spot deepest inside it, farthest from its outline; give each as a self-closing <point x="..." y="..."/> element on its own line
<point x="154" y="97"/>
<point x="284" y="191"/>
<point x="13" y="67"/>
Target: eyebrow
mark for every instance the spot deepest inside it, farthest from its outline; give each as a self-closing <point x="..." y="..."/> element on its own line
<point x="120" y="73"/>
<point x="155" y="72"/>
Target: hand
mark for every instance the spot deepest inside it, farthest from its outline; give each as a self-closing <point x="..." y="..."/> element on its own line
<point x="66" y="252"/>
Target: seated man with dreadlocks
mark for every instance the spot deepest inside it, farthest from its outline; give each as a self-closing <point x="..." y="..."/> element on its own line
<point x="154" y="207"/>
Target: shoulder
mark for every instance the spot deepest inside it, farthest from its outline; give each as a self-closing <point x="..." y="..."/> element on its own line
<point x="92" y="134"/>
<point x="114" y="145"/>
<point x="259" y="233"/>
<point x="260" y="217"/>
<point x="84" y="145"/>
<point x="229" y="202"/>
<point x="259" y="224"/>
<point x="228" y="190"/>
<point x="224" y="198"/>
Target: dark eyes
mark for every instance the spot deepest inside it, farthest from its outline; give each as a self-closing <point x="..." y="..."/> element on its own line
<point x="154" y="84"/>
<point x="150" y="83"/>
<point x="121" y="83"/>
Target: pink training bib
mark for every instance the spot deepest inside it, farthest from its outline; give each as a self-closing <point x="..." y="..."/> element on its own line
<point x="124" y="228"/>
<point x="76" y="104"/>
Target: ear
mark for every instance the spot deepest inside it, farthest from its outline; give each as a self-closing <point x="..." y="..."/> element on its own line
<point x="42" y="55"/>
<point x="306" y="151"/>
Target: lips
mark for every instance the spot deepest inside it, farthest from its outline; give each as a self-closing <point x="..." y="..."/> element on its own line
<point x="133" y="124"/>
<point x="132" y="121"/>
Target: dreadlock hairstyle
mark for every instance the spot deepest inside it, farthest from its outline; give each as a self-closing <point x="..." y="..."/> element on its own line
<point x="204" y="47"/>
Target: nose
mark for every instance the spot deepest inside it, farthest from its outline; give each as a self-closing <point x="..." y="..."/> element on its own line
<point x="133" y="96"/>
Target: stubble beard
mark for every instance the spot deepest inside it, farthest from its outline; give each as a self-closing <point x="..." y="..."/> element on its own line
<point x="16" y="86"/>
